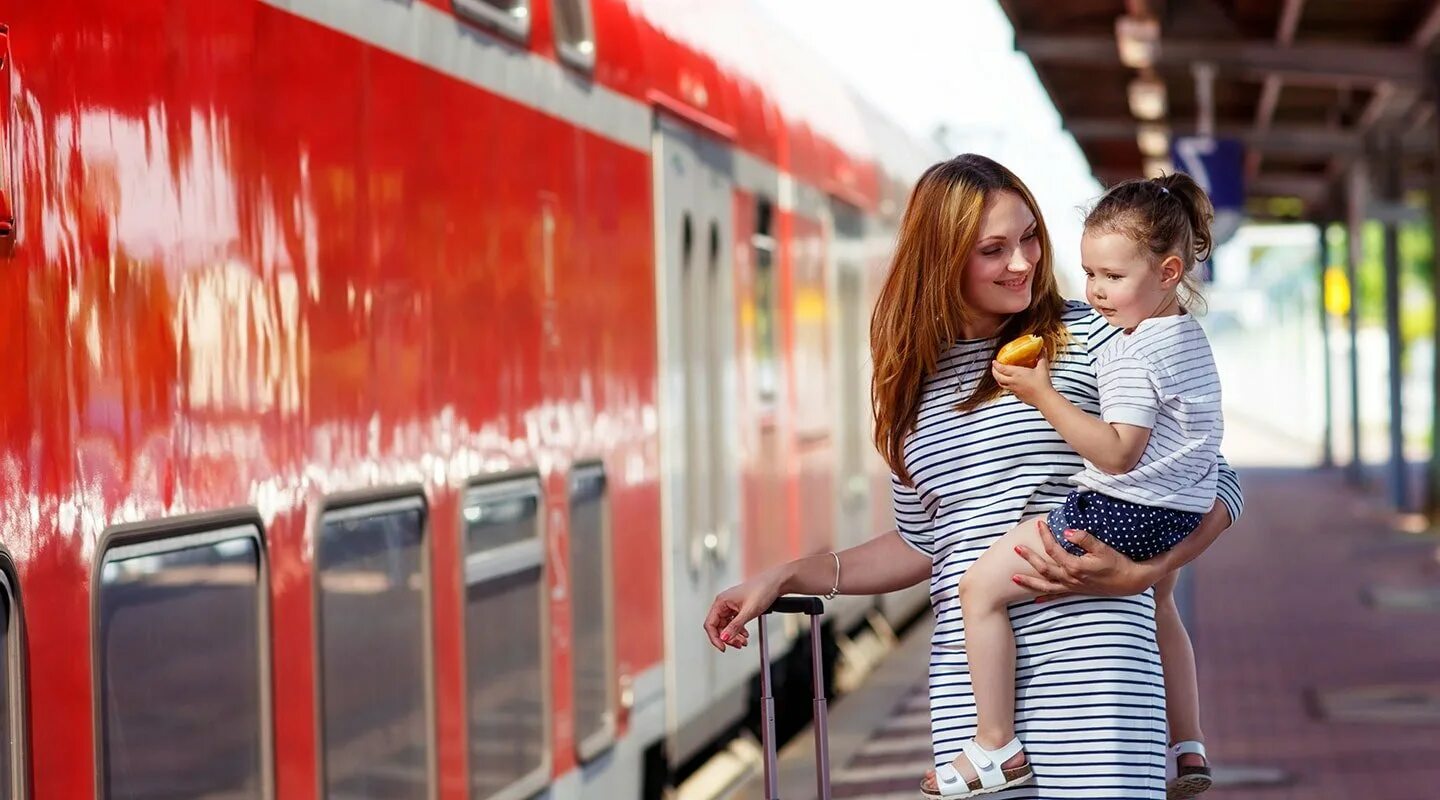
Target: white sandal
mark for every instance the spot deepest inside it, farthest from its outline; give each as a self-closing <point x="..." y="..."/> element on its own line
<point x="992" y="777"/>
<point x="1187" y="782"/>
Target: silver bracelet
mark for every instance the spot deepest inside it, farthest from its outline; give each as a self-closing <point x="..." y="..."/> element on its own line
<point x="834" y="590"/>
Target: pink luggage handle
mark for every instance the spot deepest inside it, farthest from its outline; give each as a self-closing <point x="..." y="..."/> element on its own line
<point x="813" y="607"/>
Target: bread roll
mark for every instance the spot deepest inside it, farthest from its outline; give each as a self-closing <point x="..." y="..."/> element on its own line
<point x="1023" y="352"/>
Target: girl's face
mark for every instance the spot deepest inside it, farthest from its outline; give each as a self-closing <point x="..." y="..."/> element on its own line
<point x="998" y="278"/>
<point x="1122" y="284"/>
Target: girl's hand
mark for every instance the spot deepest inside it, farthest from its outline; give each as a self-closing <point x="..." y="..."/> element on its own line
<point x="1028" y="384"/>
<point x="1100" y="572"/>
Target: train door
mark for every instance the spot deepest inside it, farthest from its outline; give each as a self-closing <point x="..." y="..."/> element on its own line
<point x="699" y="476"/>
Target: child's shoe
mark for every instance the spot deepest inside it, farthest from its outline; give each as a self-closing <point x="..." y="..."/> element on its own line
<point x="1187" y="781"/>
<point x="989" y="767"/>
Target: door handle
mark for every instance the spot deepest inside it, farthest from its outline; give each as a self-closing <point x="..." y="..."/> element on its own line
<point x="699" y="548"/>
<point x="720" y="551"/>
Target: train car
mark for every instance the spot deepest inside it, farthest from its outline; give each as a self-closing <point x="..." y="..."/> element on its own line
<point x="389" y="386"/>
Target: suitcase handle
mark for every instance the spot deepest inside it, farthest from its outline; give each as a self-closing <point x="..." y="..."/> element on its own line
<point x="812" y="607"/>
<point x="797" y="604"/>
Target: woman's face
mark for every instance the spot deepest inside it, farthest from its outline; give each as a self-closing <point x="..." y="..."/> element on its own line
<point x="1000" y="275"/>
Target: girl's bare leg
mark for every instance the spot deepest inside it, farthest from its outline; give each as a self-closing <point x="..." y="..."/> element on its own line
<point x="986" y="592"/>
<point x="1177" y="657"/>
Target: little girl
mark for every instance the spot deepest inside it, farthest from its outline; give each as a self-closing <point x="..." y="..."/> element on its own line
<point x="1149" y="477"/>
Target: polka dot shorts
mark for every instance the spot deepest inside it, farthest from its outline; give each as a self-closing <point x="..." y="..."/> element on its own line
<point x="1140" y="532"/>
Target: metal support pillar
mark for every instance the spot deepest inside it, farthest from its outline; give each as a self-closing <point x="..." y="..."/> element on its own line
<point x="1354" y="243"/>
<point x="1432" y="477"/>
<point x="1432" y="483"/>
<point x="1394" y="344"/>
<point x="1327" y="436"/>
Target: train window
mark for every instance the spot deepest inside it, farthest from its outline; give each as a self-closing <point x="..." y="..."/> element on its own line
<point x="375" y="720"/>
<point x="575" y="32"/>
<point x="505" y="629"/>
<point x="766" y="359"/>
<point x="183" y="667"/>
<point x="12" y="718"/>
<point x="511" y="17"/>
<point x="591" y="636"/>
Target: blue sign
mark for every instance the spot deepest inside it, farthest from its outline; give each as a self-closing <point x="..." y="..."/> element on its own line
<point x="1218" y="165"/>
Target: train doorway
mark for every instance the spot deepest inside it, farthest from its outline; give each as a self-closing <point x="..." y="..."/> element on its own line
<point x="694" y="201"/>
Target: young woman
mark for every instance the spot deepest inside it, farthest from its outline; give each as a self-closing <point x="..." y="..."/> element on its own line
<point x="972" y="270"/>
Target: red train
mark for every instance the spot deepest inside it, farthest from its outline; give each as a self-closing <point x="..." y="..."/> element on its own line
<point x="389" y="385"/>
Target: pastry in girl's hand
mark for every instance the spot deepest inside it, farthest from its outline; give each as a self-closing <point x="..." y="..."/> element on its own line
<point x="1022" y="352"/>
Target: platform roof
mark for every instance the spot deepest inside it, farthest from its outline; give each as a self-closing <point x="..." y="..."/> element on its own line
<point x="1308" y="86"/>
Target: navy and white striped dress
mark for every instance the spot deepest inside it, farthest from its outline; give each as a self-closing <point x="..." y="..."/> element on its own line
<point x="1090" y="697"/>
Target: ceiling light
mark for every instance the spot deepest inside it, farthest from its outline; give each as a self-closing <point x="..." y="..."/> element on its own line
<point x="1138" y="40"/>
<point x="1146" y="96"/>
<point x="1154" y="140"/>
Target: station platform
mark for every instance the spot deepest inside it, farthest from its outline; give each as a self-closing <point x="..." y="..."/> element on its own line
<point x="1316" y="623"/>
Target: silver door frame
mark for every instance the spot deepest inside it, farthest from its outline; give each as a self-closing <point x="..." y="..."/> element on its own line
<point x="698" y="562"/>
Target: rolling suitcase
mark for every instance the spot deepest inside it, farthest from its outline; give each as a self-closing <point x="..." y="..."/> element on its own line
<point x="812" y="607"/>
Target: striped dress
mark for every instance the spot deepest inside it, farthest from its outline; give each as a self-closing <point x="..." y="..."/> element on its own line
<point x="1090" y="699"/>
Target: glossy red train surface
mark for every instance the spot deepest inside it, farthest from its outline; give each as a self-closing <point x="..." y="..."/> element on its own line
<point x="389" y="386"/>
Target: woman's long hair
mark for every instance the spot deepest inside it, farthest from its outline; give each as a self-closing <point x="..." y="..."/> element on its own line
<point x="921" y="311"/>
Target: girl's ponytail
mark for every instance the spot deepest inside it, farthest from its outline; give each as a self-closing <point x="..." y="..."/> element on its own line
<point x="1198" y="210"/>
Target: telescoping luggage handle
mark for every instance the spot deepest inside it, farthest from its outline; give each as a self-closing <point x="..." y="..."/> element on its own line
<point x="813" y="607"/>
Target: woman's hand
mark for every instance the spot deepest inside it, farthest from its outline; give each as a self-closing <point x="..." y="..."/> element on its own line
<point x="883" y="564"/>
<point x="1028" y="384"/>
<point x="1101" y="571"/>
<point x="735" y="607"/>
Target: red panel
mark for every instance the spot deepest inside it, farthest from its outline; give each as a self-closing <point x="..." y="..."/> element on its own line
<point x="758" y="122"/>
<point x="611" y="369"/>
<point x="619" y="53"/>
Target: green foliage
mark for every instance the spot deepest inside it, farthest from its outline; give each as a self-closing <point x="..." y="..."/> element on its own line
<point x="1417" y="275"/>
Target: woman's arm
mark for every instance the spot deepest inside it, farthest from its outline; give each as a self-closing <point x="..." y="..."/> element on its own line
<point x="1228" y="492"/>
<point x="1113" y="447"/>
<point x="1104" y="572"/>
<point x="883" y="564"/>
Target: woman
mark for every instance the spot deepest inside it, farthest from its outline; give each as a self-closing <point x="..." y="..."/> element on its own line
<point x="972" y="270"/>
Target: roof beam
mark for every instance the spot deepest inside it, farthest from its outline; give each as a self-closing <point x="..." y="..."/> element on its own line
<point x="1312" y="140"/>
<point x="1324" y="63"/>
<point x="1385" y="93"/>
<point x="1270" y="92"/>
<point x="1387" y="96"/>
<point x="1429" y="29"/>
<point x="1289" y="21"/>
<point x="1308" y="187"/>
<point x="1269" y="99"/>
